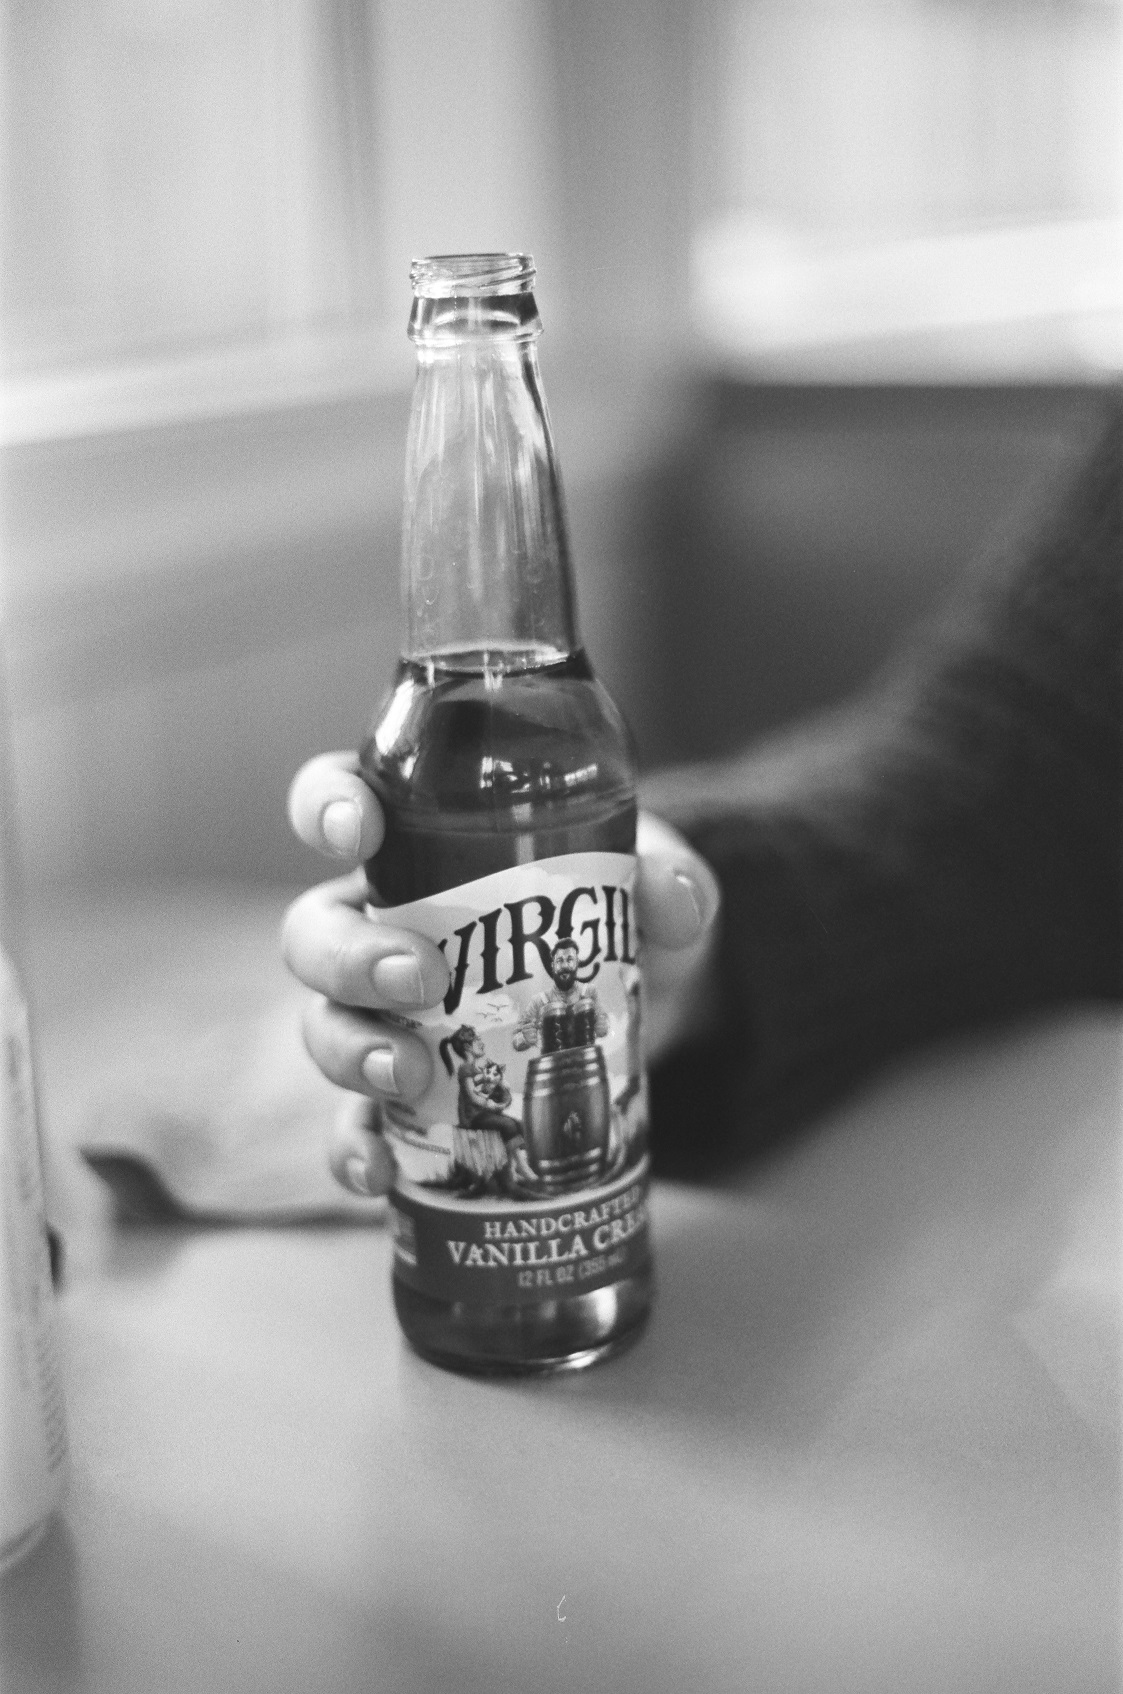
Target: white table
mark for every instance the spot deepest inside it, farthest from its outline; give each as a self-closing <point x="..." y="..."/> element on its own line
<point x="870" y="1440"/>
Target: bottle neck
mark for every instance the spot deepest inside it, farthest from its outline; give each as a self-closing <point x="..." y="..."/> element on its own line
<point x="485" y="560"/>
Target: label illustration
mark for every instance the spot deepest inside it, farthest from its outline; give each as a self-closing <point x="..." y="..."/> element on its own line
<point x="523" y="1168"/>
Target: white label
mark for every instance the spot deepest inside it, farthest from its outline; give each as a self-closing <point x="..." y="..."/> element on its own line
<point x="538" y="1103"/>
<point x="537" y="1058"/>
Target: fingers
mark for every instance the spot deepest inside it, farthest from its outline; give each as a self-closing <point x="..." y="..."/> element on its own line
<point x="366" y="1054"/>
<point x="331" y="808"/>
<point x="677" y="894"/>
<point x="331" y="943"/>
<point x="359" y="1156"/>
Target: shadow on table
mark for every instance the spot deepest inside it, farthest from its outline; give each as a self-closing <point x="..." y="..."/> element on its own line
<point x="178" y="1614"/>
<point x="912" y="1229"/>
<point x="39" y="1615"/>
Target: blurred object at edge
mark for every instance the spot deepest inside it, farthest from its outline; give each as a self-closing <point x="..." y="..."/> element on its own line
<point x="33" y="1444"/>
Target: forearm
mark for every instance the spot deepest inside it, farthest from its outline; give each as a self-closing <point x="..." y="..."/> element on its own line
<point x="946" y="851"/>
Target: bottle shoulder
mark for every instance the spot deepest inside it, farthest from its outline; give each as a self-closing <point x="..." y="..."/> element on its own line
<point x="458" y="734"/>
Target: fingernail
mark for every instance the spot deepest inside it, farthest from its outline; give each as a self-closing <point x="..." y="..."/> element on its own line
<point x="341" y="826"/>
<point x="378" y="1068"/>
<point x="687" y="885"/>
<point x="357" y="1176"/>
<point x="398" y="978"/>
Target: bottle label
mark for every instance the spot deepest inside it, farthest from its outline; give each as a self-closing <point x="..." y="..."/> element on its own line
<point x="522" y="1172"/>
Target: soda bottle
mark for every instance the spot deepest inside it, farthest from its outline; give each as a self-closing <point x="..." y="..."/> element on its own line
<point x="507" y="780"/>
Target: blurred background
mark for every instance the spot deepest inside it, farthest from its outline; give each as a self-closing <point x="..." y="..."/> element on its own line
<point x="830" y="289"/>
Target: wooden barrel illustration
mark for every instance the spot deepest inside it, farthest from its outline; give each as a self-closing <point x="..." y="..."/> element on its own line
<point x="567" y="1114"/>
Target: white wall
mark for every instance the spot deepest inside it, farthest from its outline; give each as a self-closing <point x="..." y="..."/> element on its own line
<point x="200" y="552"/>
<point x="203" y="605"/>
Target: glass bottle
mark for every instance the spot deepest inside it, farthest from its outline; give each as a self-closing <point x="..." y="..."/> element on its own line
<point x="507" y="779"/>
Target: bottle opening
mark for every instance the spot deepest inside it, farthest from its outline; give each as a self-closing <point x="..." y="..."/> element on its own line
<point x="473" y="297"/>
<point x="449" y="276"/>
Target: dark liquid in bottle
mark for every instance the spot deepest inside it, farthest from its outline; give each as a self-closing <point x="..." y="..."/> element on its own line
<point x="482" y="762"/>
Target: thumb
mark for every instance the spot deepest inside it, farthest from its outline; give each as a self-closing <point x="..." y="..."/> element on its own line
<point x="677" y="894"/>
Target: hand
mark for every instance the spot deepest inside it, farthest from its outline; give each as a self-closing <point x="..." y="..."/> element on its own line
<point x="362" y="966"/>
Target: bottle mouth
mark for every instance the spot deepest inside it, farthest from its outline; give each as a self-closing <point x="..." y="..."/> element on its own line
<point x="465" y="298"/>
<point x="470" y="276"/>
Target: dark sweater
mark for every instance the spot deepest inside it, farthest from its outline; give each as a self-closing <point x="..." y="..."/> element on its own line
<point x="946" y="852"/>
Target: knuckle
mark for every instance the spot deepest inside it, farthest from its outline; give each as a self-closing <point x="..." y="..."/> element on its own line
<point x="298" y="927"/>
<point x="343" y="969"/>
<point x="327" y="1041"/>
<point x="413" y="1075"/>
<point x="312" y="1027"/>
<point x="290" y="925"/>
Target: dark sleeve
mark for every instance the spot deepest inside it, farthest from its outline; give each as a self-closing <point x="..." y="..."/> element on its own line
<point x="945" y="852"/>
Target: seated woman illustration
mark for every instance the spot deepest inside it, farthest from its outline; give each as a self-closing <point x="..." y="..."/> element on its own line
<point x="488" y="1148"/>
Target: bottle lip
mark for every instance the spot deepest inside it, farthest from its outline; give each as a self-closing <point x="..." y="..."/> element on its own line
<point x="469" y="276"/>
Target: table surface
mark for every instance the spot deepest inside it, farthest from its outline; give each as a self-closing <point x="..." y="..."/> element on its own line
<point x="870" y="1439"/>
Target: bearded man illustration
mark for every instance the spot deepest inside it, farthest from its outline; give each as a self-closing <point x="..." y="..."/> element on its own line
<point x="567" y="1112"/>
<point x="566" y="1015"/>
